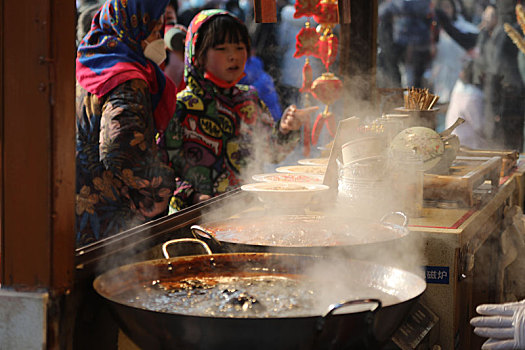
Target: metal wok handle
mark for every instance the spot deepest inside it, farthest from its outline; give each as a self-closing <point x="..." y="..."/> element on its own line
<point x="207" y="233"/>
<point x="332" y="308"/>
<point x="393" y="213"/>
<point x="179" y="240"/>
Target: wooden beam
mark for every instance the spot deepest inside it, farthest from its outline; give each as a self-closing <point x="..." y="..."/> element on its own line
<point x="358" y="51"/>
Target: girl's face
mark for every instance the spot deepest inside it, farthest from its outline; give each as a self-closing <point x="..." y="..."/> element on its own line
<point x="226" y="61"/>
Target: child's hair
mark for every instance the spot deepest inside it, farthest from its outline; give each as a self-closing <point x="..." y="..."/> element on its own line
<point x="217" y="31"/>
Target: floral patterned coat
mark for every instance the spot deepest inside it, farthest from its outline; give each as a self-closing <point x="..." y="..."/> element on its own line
<point x="121" y="178"/>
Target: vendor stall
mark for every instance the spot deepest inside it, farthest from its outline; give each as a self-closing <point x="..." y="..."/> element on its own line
<point x="461" y="256"/>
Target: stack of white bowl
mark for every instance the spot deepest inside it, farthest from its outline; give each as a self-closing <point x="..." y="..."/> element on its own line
<point x="362" y="178"/>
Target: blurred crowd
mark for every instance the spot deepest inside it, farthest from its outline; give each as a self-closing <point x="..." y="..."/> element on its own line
<point x="459" y="50"/>
<point x="271" y="67"/>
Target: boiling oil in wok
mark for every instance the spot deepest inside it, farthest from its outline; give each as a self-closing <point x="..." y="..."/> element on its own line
<point x="239" y="296"/>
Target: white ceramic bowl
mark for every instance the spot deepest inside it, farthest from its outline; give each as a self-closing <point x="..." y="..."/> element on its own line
<point x="363" y="147"/>
<point x="303" y="169"/>
<point x="288" y="177"/>
<point x="372" y="168"/>
<point x="285" y="194"/>
<point x="314" y="161"/>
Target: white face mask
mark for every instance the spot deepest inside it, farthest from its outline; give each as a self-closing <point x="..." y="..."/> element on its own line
<point x="155" y="51"/>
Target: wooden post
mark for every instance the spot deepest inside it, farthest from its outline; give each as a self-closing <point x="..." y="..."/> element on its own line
<point x="37" y="145"/>
<point x="345" y="11"/>
<point x="265" y="11"/>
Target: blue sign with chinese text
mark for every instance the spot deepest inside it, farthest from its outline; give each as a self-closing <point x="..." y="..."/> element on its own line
<point x="437" y="274"/>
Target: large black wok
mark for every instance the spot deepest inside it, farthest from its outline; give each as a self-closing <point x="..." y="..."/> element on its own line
<point x="302" y="234"/>
<point x="342" y="326"/>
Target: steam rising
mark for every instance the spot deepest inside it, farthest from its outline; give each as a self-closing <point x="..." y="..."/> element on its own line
<point x="372" y="203"/>
<point x="381" y="197"/>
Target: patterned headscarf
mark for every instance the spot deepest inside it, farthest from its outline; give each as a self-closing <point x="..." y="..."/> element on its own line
<point x="191" y="39"/>
<point x="111" y="53"/>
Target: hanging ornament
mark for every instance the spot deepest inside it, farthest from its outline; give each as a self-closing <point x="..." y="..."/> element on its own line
<point x="305" y="8"/>
<point x="306" y="42"/>
<point x="328" y="46"/>
<point x="327" y="17"/>
<point x="322" y="44"/>
<point x="306" y="88"/>
<point x="308" y="77"/>
<point x="327" y="118"/>
<point x="328" y="12"/>
<point x="327" y="89"/>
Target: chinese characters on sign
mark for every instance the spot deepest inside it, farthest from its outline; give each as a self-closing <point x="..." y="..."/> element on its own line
<point x="437" y="274"/>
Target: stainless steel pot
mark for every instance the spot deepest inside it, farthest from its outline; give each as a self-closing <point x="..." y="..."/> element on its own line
<point x="301" y="234"/>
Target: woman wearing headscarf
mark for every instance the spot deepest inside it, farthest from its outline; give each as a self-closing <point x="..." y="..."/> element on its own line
<point x="124" y="103"/>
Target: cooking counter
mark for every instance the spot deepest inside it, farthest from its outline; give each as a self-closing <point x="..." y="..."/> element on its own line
<point x="460" y="253"/>
<point x="461" y="257"/>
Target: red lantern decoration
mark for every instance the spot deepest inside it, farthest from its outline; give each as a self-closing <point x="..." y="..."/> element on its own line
<point x="322" y="44"/>
<point x="306" y="42"/>
<point x="328" y="12"/>
<point x="327" y="89"/>
<point x="305" y="8"/>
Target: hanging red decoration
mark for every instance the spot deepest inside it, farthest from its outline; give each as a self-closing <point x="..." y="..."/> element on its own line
<point x="320" y="43"/>
<point x="308" y="77"/>
<point x="305" y="89"/>
<point x="305" y="8"/>
<point x="327" y="118"/>
<point x="306" y="42"/>
<point x="327" y="17"/>
<point x="328" y="46"/>
<point x="327" y="89"/>
<point x="328" y="12"/>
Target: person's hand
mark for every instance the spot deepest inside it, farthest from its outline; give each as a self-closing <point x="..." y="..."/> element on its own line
<point x="294" y="117"/>
<point x="503" y="324"/>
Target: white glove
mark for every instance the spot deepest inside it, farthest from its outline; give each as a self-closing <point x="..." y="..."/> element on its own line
<point x="503" y="324"/>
